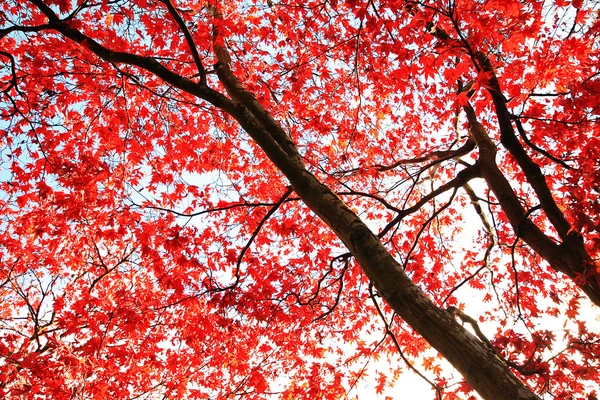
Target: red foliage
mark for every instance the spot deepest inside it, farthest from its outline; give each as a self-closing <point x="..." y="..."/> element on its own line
<point x="148" y="247"/>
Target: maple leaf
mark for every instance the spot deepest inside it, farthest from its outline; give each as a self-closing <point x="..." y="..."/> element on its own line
<point x="63" y="5"/>
<point x="463" y="98"/>
<point x="483" y="79"/>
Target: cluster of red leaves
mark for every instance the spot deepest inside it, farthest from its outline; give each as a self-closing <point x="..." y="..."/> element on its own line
<point x="148" y="247"/>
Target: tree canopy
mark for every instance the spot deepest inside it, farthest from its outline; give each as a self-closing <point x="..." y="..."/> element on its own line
<point x="260" y="199"/>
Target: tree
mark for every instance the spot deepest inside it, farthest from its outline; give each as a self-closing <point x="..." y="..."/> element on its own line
<point x="199" y="197"/>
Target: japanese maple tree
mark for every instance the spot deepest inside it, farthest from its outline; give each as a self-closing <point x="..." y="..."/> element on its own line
<point x="260" y="199"/>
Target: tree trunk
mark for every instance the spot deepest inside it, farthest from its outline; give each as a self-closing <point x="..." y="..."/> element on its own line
<point x="485" y="372"/>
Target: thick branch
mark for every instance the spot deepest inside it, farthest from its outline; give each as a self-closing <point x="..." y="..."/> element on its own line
<point x="572" y="257"/>
<point x="567" y="257"/>
<point x="531" y="170"/>
<point x="239" y="94"/>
